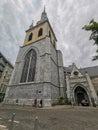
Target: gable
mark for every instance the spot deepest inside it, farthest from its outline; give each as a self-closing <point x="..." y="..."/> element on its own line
<point x="75" y="72"/>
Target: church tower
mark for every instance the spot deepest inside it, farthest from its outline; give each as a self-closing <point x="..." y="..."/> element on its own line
<point x="38" y="72"/>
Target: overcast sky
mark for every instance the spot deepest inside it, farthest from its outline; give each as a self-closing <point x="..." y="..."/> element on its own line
<point x="67" y="17"/>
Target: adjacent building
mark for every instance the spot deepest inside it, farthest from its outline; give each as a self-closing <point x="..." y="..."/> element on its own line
<point x="81" y="84"/>
<point x="5" y="74"/>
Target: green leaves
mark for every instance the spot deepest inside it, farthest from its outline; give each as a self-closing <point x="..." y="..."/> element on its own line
<point x="97" y="50"/>
<point x="93" y="27"/>
<point x="95" y="58"/>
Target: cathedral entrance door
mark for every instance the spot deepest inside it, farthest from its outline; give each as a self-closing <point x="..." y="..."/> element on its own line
<point x="80" y="97"/>
<point x="80" y="94"/>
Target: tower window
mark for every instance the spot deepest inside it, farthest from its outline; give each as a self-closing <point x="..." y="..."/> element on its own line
<point x="28" y="72"/>
<point x="30" y="37"/>
<point x="40" y="32"/>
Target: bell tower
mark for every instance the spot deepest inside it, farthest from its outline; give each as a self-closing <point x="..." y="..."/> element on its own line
<point x="38" y="72"/>
<point x="40" y="31"/>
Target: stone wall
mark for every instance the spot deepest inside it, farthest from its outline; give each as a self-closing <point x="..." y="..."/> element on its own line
<point x="95" y="83"/>
<point x="46" y="83"/>
<point x="40" y="48"/>
<point x="28" y="92"/>
<point x="61" y="73"/>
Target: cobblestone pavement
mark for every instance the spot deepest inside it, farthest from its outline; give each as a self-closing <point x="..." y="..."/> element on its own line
<point x="53" y="118"/>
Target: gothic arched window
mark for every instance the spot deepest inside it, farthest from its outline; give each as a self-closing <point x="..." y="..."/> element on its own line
<point x="40" y="32"/>
<point x="28" y="72"/>
<point x="30" y="37"/>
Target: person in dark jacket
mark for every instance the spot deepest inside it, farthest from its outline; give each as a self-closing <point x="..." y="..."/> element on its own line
<point x="41" y="103"/>
<point x="35" y="102"/>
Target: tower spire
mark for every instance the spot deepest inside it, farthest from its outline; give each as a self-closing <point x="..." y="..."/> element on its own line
<point x="44" y="9"/>
<point x="44" y="15"/>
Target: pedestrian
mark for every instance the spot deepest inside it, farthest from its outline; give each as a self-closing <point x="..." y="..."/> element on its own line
<point x="17" y="101"/>
<point x="41" y="102"/>
<point x="35" y="102"/>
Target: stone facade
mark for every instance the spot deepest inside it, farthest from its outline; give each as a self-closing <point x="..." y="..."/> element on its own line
<point x="51" y="79"/>
<point x="6" y="69"/>
<point x="83" y="80"/>
<point x="49" y="75"/>
<point x="95" y="83"/>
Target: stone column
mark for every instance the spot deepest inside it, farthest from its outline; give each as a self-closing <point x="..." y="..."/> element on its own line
<point x="68" y="88"/>
<point x="93" y="93"/>
<point x="61" y="73"/>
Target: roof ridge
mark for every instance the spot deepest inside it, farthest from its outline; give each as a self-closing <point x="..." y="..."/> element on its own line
<point x="89" y="67"/>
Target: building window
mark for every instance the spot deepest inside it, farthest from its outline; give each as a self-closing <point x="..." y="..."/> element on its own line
<point x="30" y="37"/>
<point x="28" y="72"/>
<point x="40" y="32"/>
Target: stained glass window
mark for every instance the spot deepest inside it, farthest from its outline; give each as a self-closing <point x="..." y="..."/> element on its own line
<point x="28" y="72"/>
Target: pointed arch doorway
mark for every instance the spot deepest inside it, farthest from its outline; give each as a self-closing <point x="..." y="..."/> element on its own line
<point x="80" y="94"/>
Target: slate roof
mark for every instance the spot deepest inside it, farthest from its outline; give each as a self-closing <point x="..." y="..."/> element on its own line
<point x="68" y="69"/>
<point x="92" y="71"/>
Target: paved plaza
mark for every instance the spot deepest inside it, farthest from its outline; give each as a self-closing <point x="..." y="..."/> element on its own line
<point x="53" y="118"/>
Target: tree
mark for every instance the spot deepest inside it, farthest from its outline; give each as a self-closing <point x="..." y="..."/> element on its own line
<point x="93" y="27"/>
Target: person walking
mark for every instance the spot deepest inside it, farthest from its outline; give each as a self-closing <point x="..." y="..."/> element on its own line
<point x="35" y="102"/>
<point x="41" y="103"/>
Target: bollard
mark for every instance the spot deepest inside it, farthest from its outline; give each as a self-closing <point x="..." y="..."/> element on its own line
<point x="12" y="121"/>
<point x="36" y="123"/>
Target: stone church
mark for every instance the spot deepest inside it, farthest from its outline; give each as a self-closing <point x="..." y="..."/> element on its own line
<point x="39" y="72"/>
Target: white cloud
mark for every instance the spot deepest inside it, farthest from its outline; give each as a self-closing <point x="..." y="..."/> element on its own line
<point x="66" y="17"/>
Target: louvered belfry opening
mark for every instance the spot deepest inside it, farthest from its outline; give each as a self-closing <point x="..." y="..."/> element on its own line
<point x="28" y="73"/>
<point x="30" y="37"/>
<point x="40" y="32"/>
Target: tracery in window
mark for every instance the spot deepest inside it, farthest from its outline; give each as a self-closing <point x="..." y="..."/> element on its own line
<point x="28" y="73"/>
